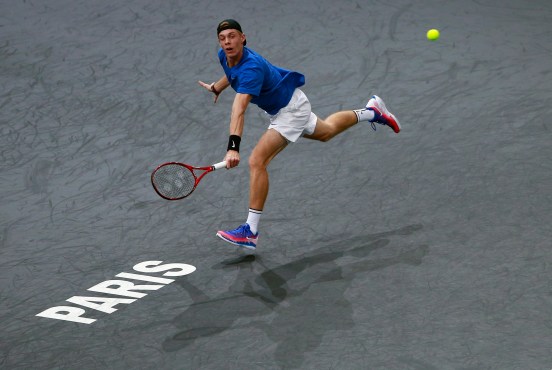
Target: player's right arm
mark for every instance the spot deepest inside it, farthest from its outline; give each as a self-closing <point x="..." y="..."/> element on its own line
<point x="237" y="119"/>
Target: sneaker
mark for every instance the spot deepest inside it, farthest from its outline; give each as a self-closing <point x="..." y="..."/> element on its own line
<point x="381" y="114"/>
<point x="241" y="236"/>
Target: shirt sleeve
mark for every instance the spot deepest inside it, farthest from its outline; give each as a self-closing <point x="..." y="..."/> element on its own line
<point x="251" y="80"/>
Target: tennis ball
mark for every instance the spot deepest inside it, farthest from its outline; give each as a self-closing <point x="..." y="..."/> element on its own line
<point x="433" y="34"/>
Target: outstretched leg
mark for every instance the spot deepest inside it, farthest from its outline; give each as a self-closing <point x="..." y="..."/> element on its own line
<point x="333" y="125"/>
<point x="336" y="123"/>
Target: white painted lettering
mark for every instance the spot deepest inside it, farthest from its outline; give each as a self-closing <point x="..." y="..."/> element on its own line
<point x="181" y="268"/>
<point x="107" y="305"/>
<point x="121" y="288"/>
<point x="152" y="279"/>
<point x="124" y="288"/>
<point x="67" y="313"/>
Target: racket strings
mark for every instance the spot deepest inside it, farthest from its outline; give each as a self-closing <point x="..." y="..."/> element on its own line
<point x="174" y="181"/>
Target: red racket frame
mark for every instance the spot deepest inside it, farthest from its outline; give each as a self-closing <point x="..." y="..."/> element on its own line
<point x="192" y="169"/>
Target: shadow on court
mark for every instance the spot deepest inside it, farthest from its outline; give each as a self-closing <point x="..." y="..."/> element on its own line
<point x="319" y="280"/>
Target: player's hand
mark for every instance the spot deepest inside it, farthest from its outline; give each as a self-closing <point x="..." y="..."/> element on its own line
<point x="232" y="159"/>
<point x="210" y="88"/>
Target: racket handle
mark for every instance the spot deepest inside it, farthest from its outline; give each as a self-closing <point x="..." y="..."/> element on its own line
<point x="219" y="165"/>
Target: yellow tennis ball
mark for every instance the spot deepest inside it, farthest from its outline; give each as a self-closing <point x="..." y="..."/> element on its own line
<point x="432" y="34"/>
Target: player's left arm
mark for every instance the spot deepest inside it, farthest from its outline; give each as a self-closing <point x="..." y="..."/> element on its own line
<point x="216" y="87"/>
<point x="237" y="120"/>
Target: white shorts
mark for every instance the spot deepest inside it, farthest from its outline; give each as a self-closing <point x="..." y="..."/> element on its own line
<point x="295" y="119"/>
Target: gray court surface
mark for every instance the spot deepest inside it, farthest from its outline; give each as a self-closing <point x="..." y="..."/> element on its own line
<point x="424" y="250"/>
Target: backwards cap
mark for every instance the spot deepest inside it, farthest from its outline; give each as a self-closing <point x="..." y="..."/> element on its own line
<point x="229" y="24"/>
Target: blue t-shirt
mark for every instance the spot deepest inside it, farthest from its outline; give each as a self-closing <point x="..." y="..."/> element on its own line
<point x="270" y="86"/>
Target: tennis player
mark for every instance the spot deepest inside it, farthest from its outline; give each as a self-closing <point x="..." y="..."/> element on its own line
<point x="276" y="91"/>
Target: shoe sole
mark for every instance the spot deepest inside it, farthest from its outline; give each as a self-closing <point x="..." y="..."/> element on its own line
<point x="396" y="121"/>
<point x="235" y="243"/>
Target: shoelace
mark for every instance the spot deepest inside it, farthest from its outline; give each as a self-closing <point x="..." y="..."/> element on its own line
<point x="376" y="114"/>
<point x="242" y="229"/>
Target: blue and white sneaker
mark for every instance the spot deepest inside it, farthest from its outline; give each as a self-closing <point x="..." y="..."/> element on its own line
<point x="241" y="236"/>
<point x="382" y="115"/>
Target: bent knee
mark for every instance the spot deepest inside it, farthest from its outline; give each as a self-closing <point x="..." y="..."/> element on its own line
<point x="256" y="163"/>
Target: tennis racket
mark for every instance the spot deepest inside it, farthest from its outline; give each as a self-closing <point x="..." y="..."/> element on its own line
<point x="174" y="180"/>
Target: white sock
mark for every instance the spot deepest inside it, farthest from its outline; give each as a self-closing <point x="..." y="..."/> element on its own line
<point x="253" y="219"/>
<point x="364" y="114"/>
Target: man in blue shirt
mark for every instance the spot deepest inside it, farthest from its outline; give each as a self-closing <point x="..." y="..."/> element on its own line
<point x="276" y="91"/>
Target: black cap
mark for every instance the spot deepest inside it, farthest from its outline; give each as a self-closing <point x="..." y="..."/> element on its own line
<point x="229" y="24"/>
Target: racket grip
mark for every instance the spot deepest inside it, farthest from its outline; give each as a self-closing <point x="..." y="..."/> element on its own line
<point x="219" y="165"/>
